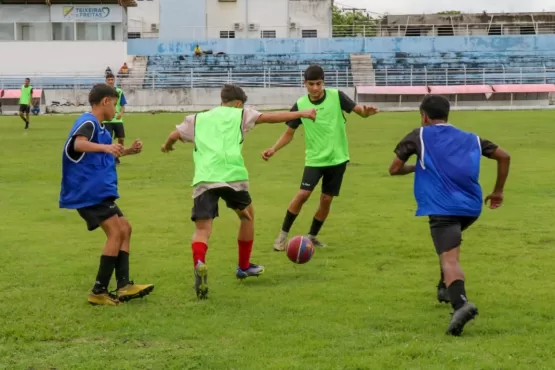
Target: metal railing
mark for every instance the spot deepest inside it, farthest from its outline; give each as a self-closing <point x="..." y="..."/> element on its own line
<point x="368" y="29"/>
<point x="269" y="77"/>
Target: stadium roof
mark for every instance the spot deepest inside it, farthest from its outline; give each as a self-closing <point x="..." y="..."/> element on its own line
<point x="125" y="3"/>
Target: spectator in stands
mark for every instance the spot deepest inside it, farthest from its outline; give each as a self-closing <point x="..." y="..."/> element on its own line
<point x="108" y="71"/>
<point x="123" y="71"/>
<point x="198" y="51"/>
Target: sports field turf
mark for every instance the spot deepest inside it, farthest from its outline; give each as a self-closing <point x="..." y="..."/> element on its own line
<point x="365" y="302"/>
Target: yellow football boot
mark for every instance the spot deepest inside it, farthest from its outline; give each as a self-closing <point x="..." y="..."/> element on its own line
<point x="103" y="299"/>
<point x="132" y="291"/>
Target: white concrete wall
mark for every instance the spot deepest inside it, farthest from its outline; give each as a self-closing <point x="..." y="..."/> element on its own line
<point x="141" y="18"/>
<point x="182" y="100"/>
<point x="67" y="58"/>
<point x="311" y="15"/>
<point x="190" y="100"/>
<point x="274" y="15"/>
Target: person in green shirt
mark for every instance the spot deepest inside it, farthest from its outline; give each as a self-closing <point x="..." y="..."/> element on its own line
<point x="220" y="172"/>
<point x="25" y="101"/>
<point x="326" y="153"/>
<point x="115" y="126"/>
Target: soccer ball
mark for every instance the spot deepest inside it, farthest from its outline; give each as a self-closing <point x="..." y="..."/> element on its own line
<point x="300" y="249"/>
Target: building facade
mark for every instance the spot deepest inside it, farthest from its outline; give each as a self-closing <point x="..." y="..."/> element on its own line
<point x="245" y="19"/>
<point x="482" y="24"/>
<point x="60" y="36"/>
<point x="144" y="19"/>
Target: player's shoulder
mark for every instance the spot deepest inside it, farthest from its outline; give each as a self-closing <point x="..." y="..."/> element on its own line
<point x="416" y="132"/>
<point x="86" y="118"/>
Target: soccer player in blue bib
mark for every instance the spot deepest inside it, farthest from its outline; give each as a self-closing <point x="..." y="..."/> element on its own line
<point x="447" y="190"/>
<point x="90" y="185"/>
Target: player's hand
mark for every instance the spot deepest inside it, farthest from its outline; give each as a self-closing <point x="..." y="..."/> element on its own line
<point x="495" y="200"/>
<point x="119" y="116"/>
<point x="116" y="150"/>
<point x="268" y="153"/>
<point x="369" y="110"/>
<point x="137" y="146"/>
<point x="166" y="148"/>
<point x="310" y="114"/>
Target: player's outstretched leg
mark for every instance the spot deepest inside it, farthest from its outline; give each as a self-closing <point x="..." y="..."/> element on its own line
<point x="99" y="294"/>
<point x="442" y="293"/>
<point x="199" y="246"/>
<point x="464" y="311"/>
<point x="292" y="212"/>
<point x="319" y="218"/>
<point x="22" y="116"/>
<point x="245" y="240"/>
<point x="127" y="289"/>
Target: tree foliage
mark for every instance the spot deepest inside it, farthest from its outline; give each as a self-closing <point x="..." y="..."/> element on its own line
<point x="352" y="23"/>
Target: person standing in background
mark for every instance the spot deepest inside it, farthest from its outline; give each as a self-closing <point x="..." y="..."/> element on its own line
<point x="115" y="126"/>
<point x="25" y="99"/>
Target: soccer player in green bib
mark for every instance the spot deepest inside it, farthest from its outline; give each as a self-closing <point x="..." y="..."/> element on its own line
<point x="25" y="100"/>
<point x="115" y="126"/>
<point x="327" y="149"/>
<point x="220" y="172"/>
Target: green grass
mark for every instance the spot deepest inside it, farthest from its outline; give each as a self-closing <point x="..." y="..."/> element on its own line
<point x="366" y="302"/>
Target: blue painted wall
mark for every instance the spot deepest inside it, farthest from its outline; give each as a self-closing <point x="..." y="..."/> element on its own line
<point x="376" y="45"/>
<point x="182" y="19"/>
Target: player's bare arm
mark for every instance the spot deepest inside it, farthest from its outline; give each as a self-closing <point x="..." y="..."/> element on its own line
<point x="279" y="117"/>
<point x="170" y="141"/>
<point x="135" y="148"/>
<point x="405" y="149"/>
<point x="503" y="163"/>
<point x="399" y="167"/>
<point x="83" y="145"/>
<point x="121" y="112"/>
<point x="365" y="111"/>
<point x="283" y="140"/>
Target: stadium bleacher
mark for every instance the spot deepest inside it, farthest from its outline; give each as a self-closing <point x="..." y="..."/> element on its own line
<point x="281" y="69"/>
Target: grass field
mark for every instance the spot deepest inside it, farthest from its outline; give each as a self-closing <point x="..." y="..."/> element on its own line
<point x="365" y="302"/>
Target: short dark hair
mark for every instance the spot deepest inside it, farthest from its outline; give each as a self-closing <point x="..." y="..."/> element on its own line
<point x="110" y="75"/>
<point x="233" y="92"/>
<point x="314" y="73"/>
<point x="99" y="92"/>
<point x="28" y="79"/>
<point x="435" y="107"/>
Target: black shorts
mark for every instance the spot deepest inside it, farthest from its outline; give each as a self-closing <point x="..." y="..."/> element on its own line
<point x="24" y="108"/>
<point x="447" y="231"/>
<point x="95" y="215"/>
<point x="205" y="206"/>
<point x="115" y="129"/>
<point x="332" y="178"/>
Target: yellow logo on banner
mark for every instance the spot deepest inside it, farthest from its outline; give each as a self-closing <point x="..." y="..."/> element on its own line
<point x="67" y="10"/>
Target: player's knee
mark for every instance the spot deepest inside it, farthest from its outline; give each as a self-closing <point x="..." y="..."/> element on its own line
<point x="116" y="235"/>
<point x="302" y="196"/>
<point x="325" y="200"/>
<point x="125" y="228"/>
<point x="449" y="260"/>
<point x="203" y="228"/>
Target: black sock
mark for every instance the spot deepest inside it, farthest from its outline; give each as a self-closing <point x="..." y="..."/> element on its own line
<point x="441" y="283"/>
<point x="457" y="294"/>
<point x="288" y="221"/>
<point x="315" y="227"/>
<point x="107" y="265"/>
<point x="122" y="269"/>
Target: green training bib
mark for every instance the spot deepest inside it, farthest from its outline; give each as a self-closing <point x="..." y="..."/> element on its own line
<point x="218" y="146"/>
<point x="326" y="137"/>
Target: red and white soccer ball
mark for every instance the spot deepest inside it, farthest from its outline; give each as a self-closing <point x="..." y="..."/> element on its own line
<point x="300" y="249"/>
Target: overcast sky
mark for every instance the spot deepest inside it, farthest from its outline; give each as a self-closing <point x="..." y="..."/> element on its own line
<point x="467" y="6"/>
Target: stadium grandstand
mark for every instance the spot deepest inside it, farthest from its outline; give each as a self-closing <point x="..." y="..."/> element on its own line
<point x="219" y="43"/>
